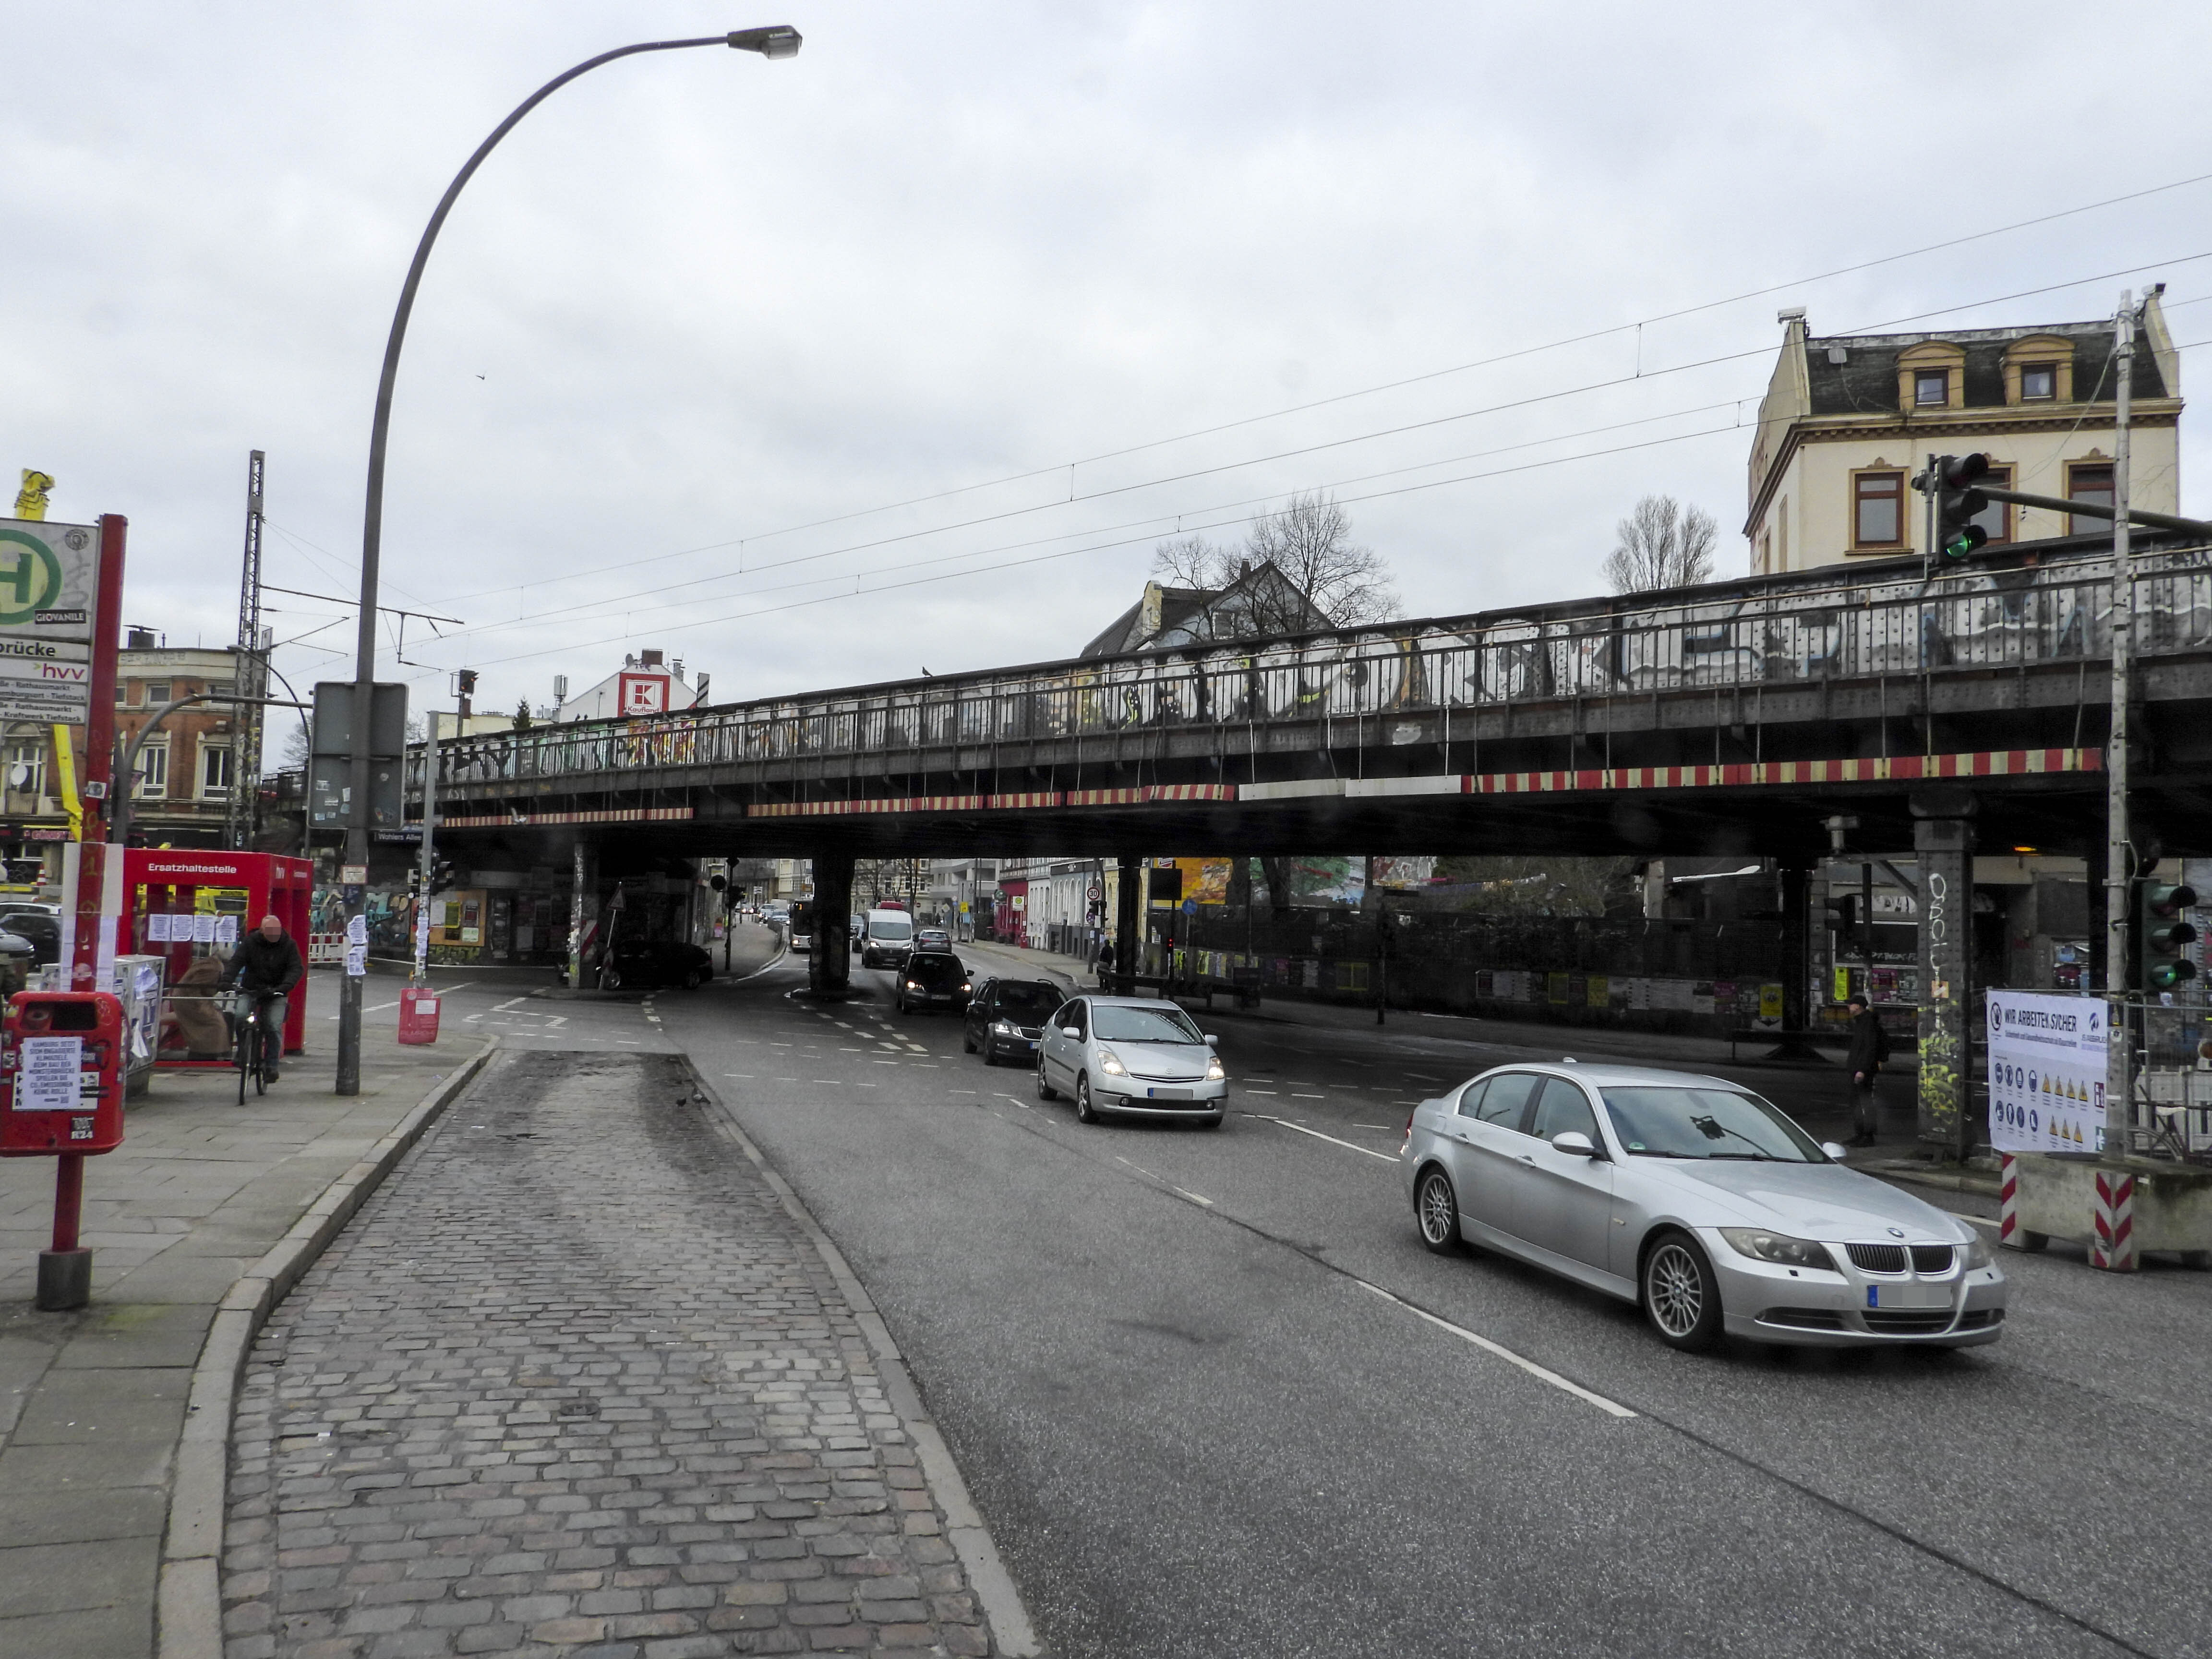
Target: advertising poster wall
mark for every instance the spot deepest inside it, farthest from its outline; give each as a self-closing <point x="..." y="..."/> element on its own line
<point x="2046" y="1072"/>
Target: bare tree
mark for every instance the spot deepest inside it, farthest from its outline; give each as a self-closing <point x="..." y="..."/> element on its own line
<point x="1322" y="569"/>
<point x="1661" y="543"/>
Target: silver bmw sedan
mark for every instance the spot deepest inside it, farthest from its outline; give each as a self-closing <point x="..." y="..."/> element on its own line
<point x="1698" y="1200"/>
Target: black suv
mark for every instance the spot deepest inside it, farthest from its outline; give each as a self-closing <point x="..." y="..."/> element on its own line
<point x="933" y="979"/>
<point x="1005" y="1016"/>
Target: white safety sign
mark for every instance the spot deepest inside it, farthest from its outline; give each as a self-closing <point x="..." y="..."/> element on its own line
<point x="2046" y="1072"/>
<point x="49" y="588"/>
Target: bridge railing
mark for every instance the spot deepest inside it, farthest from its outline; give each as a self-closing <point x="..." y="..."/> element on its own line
<point x="1619" y="647"/>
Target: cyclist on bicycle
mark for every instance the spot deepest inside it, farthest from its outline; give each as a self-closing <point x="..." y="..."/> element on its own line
<point x="266" y="966"/>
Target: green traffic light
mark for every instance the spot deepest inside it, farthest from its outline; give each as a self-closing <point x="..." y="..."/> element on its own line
<point x="2165" y="975"/>
<point x="1965" y="541"/>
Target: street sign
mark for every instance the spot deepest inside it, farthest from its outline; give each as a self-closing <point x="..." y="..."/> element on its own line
<point x="49" y="588"/>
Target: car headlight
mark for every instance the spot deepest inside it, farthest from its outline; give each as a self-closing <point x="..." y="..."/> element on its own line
<point x="1110" y="1063"/>
<point x="913" y="984"/>
<point x="965" y="986"/>
<point x="1977" y="1252"/>
<point x="1214" y="1071"/>
<point x="1005" y="1028"/>
<point x="1763" y="1246"/>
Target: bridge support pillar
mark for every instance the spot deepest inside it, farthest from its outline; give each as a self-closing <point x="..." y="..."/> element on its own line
<point x="1943" y="841"/>
<point x="1128" y="923"/>
<point x="1796" y="966"/>
<point x="829" y="953"/>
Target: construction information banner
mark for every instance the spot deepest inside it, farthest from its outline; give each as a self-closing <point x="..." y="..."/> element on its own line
<point x="49" y="575"/>
<point x="2046" y="1072"/>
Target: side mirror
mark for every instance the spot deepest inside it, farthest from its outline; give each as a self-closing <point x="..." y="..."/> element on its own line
<point x="1070" y="1031"/>
<point x="1211" y="1040"/>
<point x="1574" y="1143"/>
<point x="1834" y="1150"/>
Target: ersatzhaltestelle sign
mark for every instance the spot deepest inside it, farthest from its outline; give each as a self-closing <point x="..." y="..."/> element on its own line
<point x="49" y="581"/>
<point x="2046" y="1072"/>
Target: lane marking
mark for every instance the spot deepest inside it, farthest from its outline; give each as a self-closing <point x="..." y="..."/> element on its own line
<point x="1364" y="1151"/>
<point x="1194" y="1198"/>
<point x="1542" y="1373"/>
<point x="1299" y="1096"/>
<point x="748" y="1076"/>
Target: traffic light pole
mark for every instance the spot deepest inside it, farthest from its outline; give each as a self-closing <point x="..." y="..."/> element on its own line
<point x="2119" y="852"/>
<point x="427" y="860"/>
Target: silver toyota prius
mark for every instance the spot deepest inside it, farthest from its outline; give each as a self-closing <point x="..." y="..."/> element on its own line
<point x="1699" y="1202"/>
<point x="1128" y="1055"/>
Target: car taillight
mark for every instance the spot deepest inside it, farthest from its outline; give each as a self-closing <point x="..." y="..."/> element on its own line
<point x="1408" y="1141"/>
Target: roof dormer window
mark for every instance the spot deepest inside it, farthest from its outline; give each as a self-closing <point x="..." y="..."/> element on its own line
<point x="2039" y="382"/>
<point x="1931" y="388"/>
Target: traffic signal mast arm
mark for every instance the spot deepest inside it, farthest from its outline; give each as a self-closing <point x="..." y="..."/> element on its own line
<point x="2060" y="504"/>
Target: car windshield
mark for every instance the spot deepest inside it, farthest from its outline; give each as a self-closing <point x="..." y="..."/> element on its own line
<point x="1709" y="1123"/>
<point x="933" y="971"/>
<point x="1118" y="1024"/>
<point x="890" y="930"/>
<point x="1031" y="1002"/>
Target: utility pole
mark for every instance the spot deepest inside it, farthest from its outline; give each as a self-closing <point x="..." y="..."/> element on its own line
<point x="426" y="861"/>
<point x="2119" y="853"/>
<point x="252" y="679"/>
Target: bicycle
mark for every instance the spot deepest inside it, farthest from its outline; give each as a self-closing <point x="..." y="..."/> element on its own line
<point x="253" y="1038"/>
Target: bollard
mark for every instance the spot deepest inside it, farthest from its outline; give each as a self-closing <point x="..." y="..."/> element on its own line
<point x="2112" y="1243"/>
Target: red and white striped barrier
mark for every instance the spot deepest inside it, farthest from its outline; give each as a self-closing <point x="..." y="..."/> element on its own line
<point x="2112" y="1247"/>
<point x="2009" y="1204"/>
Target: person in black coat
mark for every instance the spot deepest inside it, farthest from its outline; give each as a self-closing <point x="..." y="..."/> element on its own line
<point x="1869" y="1049"/>
<point x="266" y="965"/>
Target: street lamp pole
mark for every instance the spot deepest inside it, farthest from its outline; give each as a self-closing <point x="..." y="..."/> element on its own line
<point x="778" y="41"/>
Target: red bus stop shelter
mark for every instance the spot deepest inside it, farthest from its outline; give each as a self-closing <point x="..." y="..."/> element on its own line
<point x="167" y="883"/>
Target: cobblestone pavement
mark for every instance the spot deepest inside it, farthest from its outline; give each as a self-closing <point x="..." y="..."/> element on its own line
<point x="575" y="1382"/>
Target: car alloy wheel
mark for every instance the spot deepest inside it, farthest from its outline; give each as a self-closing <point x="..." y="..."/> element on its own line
<point x="1435" y="1206"/>
<point x="695" y="979"/>
<point x="1679" y="1296"/>
<point x="967" y="1042"/>
<point x="1045" y="1091"/>
<point x="1084" y="1111"/>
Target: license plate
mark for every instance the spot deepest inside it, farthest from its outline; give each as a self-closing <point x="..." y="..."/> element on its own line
<point x="1167" y="1094"/>
<point x="1908" y="1295"/>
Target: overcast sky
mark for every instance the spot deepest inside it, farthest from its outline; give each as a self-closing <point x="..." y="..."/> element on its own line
<point x="703" y="320"/>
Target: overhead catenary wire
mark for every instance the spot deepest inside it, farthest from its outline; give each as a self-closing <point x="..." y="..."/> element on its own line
<point x="599" y="604"/>
<point x="1399" y="385"/>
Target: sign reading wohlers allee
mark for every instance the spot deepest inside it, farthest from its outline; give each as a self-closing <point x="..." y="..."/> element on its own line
<point x="49" y="578"/>
<point x="2046" y="1072"/>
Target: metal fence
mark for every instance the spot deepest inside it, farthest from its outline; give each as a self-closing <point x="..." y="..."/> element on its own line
<point x="2059" y="612"/>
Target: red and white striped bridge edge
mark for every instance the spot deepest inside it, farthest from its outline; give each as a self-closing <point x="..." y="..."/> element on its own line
<point x="607" y="815"/>
<point x="2112" y="1245"/>
<point x="1983" y="763"/>
<point x="1141" y="795"/>
<point x="2008" y="1203"/>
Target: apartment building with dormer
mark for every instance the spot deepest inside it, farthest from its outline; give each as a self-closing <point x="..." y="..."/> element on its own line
<point x="1849" y="419"/>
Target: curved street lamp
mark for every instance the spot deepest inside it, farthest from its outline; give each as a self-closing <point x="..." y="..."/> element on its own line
<point x="779" y="40"/>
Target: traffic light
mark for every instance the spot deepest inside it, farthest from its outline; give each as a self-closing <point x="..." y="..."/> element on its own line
<point x="1843" y="914"/>
<point x="1957" y="504"/>
<point x="466" y="679"/>
<point x="2161" y="935"/>
<point x="442" y="875"/>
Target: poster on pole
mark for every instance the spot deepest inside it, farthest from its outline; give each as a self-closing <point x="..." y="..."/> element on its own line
<point x="49" y="591"/>
<point x="2046" y="1072"/>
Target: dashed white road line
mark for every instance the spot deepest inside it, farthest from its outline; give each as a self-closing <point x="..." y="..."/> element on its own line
<point x="1364" y="1151"/>
<point x="1502" y="1352"/>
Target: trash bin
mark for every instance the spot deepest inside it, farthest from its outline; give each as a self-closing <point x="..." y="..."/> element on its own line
<point x="418" y="1014"/>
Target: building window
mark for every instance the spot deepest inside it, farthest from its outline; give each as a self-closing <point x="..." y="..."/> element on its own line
<point x="1931" y="387"/>
<point x="214" y="770"/>
<point x="1995" y="519"/>
<point x="27" y="767"/>
<point x="1766" y="551"/>
<point x="122" y="690"/>
<point x="222" y="688"/>
<point x="157" y="693"/>
<point x="154" y="771"/>
<point x="2088" y="481"/>
<point x="2039" y="382"/>
<point x="1877" y="509"/>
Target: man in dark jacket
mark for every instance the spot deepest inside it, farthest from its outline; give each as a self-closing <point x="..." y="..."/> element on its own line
<point x="266" y="966"/>
<point x="1869" y="1048"/>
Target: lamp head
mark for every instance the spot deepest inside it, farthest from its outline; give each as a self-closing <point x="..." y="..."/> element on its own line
<point x="778" y="40"/>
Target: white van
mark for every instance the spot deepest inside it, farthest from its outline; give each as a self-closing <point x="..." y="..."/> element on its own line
<point x="888" y="940"/>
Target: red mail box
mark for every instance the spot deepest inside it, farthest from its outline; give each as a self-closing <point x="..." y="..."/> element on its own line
<point x="61" y="1074"/>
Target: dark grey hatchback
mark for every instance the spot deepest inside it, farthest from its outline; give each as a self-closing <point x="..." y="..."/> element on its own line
<point x="1006" y="1017"/>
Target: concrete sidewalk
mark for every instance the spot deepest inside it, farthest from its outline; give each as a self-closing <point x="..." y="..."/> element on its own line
<point x="94" y="1405"/>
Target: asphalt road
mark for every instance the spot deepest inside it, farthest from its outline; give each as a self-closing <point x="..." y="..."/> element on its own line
<point x="1216" y="1400"/>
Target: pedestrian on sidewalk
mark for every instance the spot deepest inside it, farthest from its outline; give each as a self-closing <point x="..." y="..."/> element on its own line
<point x="1105" y="963"/>
<point x="1869" y="1049"/>
<point x="266" y="966"/>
